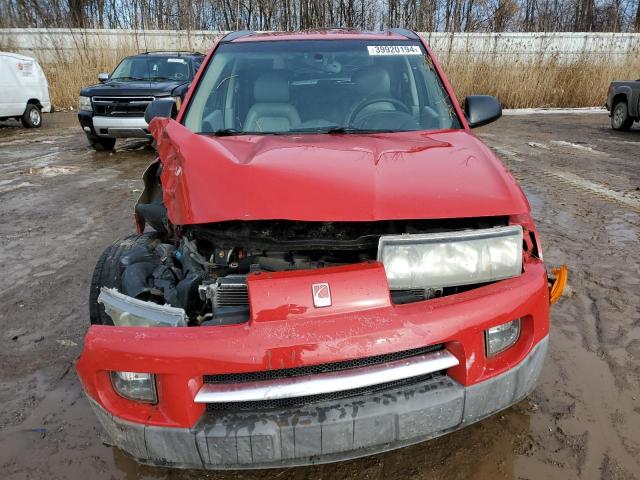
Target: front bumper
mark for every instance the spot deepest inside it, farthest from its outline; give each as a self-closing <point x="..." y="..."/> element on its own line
<point x="113" y="127"/>
<point x="328" y="431"/>
<point x="285" y="331"/>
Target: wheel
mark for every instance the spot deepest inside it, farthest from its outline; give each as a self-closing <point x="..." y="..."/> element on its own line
<point x="101" y="144"/>
<point x="32" y="116"/>
<point x="108" y="273"/>
<point x="620" y="119"/>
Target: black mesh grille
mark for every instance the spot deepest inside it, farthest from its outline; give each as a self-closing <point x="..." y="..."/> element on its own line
<point x="316" y="369"/>
<point x="231" y="295"/>
<point x="382" y="389"/>
<point x="121" y="106"/>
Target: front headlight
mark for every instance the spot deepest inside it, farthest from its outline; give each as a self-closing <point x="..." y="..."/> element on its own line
<point x="85" y="104"/>
<point x="437" y="260"/>
<point x="139" y="387"/>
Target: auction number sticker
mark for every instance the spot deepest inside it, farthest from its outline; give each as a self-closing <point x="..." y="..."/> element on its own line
<point x="394" y="50"/>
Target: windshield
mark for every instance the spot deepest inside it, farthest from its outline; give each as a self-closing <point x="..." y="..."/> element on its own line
<point x="328" y="86"/>
<point x="152" y="68"/>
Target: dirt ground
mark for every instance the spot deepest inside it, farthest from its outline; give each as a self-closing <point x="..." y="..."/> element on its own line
<point x="62" y="203"/>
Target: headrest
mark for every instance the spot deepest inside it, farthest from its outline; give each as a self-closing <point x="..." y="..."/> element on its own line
<point x="271" y="87"/>
<point x="372" y="81"/>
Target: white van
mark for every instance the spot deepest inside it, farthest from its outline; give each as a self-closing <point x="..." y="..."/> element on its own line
<point x="24" y="91"/>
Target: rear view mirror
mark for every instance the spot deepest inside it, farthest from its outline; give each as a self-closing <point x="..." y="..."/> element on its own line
<point x="481" y="109"/>
<point x="103" y="77"/>
<point x="161" y="107"/>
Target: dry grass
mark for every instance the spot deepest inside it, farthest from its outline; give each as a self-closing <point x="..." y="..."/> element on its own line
<point x="68" y="75"/>
<point x="539" y="82"/>
<point x="543" y="82"/>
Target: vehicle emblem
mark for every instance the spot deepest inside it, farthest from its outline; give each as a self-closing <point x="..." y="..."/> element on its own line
<point x="321" y="295"/>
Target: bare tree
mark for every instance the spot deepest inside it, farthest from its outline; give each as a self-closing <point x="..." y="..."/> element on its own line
<point x="421" y="15"/>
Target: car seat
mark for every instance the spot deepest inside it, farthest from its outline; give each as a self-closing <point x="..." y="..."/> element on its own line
<point x="271" y="111"/>
<point x="371" y="83"/>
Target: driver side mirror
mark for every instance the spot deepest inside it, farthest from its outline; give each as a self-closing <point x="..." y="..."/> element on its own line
<point x="481" y="109"/>
<point x="161" y="107"/>
<point x="103" y="77"/>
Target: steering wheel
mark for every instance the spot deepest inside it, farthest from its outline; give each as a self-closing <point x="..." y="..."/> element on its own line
<point x="369" y="101"/>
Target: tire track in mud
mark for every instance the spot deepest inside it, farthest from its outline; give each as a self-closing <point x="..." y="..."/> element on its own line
<point x="629" y="199"/>
<point x="574" y="213"/>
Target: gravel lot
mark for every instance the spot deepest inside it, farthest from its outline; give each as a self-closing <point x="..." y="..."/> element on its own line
<point x="62" y="204"/>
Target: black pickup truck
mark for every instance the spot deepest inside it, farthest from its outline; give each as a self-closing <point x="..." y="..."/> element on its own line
<point x="623" y="103"/>
<point x="115" y="107"/>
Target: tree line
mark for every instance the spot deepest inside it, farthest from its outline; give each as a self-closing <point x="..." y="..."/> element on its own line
<point x="420" y="15"/>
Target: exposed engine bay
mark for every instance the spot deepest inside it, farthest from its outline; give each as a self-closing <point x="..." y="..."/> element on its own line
<point x="203" y="270"/>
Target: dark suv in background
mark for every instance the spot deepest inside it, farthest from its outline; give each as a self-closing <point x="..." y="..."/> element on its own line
<point x="115" y="107"/>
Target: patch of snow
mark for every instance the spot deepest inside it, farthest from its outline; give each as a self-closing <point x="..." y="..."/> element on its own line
<point x="51" y="171"/>
<point x="503" y="152"/>
<point x="12" y="187"/>
<point x="538" y="145"/>
<point x="546" y="111"/>
<point x="577" y="146"/>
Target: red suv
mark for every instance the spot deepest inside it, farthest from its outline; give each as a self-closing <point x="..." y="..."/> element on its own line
<point x="328" y="264"/>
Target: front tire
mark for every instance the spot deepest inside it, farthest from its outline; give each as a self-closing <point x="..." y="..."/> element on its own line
<point x="108" y="273"/>
<point x="101" y="144"/>
<point x="620" y="119"/>
<point x="32" y="116"/>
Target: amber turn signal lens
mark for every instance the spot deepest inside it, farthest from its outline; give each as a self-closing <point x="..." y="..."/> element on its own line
<point x="558" y="283"/>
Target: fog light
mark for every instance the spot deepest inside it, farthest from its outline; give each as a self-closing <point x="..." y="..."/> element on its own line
<point x="498" y="339"/>
<point x="139" y="387"/>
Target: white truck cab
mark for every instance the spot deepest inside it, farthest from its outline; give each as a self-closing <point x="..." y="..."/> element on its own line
<point x="24" y="91"/>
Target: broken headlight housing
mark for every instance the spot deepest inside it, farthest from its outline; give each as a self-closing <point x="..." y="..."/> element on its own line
<point x="126" y="311"/>
<point x="438" y="260"/>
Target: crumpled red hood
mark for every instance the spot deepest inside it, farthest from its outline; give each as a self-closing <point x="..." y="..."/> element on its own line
<point x="408" y="175"/>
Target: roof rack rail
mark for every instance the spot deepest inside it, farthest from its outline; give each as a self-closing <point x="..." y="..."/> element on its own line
<point x="332" y="27"/>
<point x="405" y="32"/>
<point x="172" y="52"/>
<point x="231" y="36"/>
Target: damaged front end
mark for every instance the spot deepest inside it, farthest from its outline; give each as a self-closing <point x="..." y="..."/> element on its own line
<point x="197" y="275"/>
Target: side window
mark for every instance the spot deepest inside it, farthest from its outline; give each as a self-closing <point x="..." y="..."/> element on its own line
<point x="217" y="114"/>
<point x="421" y="82"/>
<point x="218" y="94"/>
<point x="205" y="111"/>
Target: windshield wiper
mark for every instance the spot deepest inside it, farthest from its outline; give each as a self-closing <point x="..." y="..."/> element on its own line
<point x="128" y="78"/>
<point x="160" y="78"/>
<point x="308" y="130"/>
<point x="225" y="132"/>
<point x="331" y="130"/>
<point x="339" y="130"/>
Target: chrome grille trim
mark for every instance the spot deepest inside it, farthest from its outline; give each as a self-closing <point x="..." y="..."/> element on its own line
<point x="325" y="383"/>
<point x="129" y="100"/>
